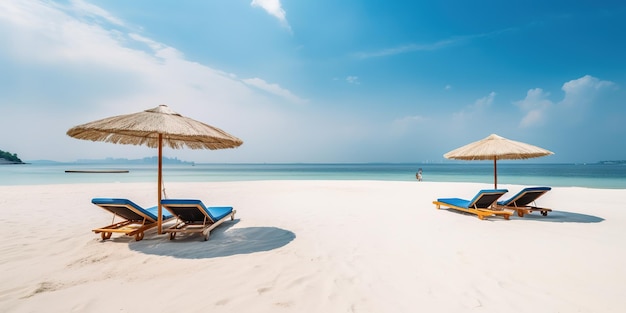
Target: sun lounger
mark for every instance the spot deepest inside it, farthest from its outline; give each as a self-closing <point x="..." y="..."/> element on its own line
<point x="193" y="217"/>
<point x="482" y="204"/>
<point x="524" y="201"/>
<point x="136" y="220"/>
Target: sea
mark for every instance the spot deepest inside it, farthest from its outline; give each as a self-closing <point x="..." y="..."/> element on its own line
<point x="596" y="175"/>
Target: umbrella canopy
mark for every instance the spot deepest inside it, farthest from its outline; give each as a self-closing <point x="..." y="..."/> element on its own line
<point x="496" y="148"/>
<point x="155" y="128"/>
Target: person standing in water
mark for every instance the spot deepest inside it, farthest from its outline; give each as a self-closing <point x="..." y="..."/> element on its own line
<point x="418" y="175"/>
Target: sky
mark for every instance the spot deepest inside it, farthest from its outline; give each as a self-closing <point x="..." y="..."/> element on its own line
<point x="320" y="81"/>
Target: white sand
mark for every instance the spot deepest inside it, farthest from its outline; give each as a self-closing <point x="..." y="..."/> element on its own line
<point x="314" y="246"/>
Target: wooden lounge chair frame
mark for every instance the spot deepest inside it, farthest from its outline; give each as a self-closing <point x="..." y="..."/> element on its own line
<point x="526" y="198"/>
<point x="482" y="205"/>
<point x="194" y="226"/>
<point x="135" y="221"/>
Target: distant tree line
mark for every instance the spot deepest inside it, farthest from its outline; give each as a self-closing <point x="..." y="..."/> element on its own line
<point x="9" y="156"/>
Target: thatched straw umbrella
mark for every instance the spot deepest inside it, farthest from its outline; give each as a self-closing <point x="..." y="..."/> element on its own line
<point x="155" y="128"/>
<point x="496" y="148"/>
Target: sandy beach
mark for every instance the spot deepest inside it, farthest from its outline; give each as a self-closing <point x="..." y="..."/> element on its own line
<point x="314" y="246"/>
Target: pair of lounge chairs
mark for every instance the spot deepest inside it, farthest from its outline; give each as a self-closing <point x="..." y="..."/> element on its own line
<point x="486" y="203"/>
<point x="192" y="217"/>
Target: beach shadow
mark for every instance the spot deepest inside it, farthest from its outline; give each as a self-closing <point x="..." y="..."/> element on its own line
<point x="554" y="216"/>
<point x="560" y="217"/>
<point x="222" y="242"/>
<point x="487" y="219"/>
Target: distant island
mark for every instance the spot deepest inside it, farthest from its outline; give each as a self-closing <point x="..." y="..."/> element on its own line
<point x="615" y="162"/>
<point x="121" y="161"/>
<point x="9" y="158"/>
<point x="146" y="160"/>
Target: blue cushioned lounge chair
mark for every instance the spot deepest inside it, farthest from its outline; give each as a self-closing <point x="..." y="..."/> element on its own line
<point x="136" y="219"/>
<point x="194" y="217"/>
<point x="524" y="201"/>
<point x="481" y="205"/>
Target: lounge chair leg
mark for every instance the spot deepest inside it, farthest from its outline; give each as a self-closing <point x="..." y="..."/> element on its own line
<point x="138" y="236"/>
<point x="105" y="235"/>
<point x="506" y="216"/>
<point x="544" y="213"/>
<point x="206" y="237"/>
<point x="172" y="236"/>
<point x="520" y="213"/>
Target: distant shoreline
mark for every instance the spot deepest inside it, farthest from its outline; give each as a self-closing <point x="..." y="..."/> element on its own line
<point x="4" y="162"/>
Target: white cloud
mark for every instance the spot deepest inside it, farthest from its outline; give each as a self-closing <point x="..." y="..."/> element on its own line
<point x="579" y="92"/>
<point x="441" y="44"/>
<point x="160" y="50"/>
<point x="406" y="48"/>
<point x="586" y="82"/>
<point x="403" y="125"/>
<point x="473" y="111"/>
<point x="45" y="34"/>
<point x="273" y="8"/>
<point x="533" y="118"/>
<point x="274" y="89"/>
<point x="484" y="102"/>
<point x="534" y="107"/>
<point x="353" y="80"/>
<point x="88" y="9"/>
<point x="579" y="95"/>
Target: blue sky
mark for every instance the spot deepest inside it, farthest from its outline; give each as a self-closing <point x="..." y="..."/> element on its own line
<point x="318" y="81"/>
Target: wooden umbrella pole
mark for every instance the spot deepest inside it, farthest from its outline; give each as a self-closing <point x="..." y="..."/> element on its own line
<point x="495" y="173"/>
<point x="160" y="216"/>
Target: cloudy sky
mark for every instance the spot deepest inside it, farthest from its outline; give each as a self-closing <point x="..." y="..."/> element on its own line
<point x="318" y="81"/>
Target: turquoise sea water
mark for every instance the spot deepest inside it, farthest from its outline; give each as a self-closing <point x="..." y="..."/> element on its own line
<point x="611" y="176"/>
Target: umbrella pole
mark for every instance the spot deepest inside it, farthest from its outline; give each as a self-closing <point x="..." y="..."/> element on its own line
<point x="160" y="216"/>
<point x="495" y="173"/>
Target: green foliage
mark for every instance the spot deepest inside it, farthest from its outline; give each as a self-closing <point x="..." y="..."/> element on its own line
<point x="9" y="156"/>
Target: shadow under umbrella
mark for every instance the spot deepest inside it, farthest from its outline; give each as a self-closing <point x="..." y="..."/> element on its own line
<point x="223" y="242"/>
